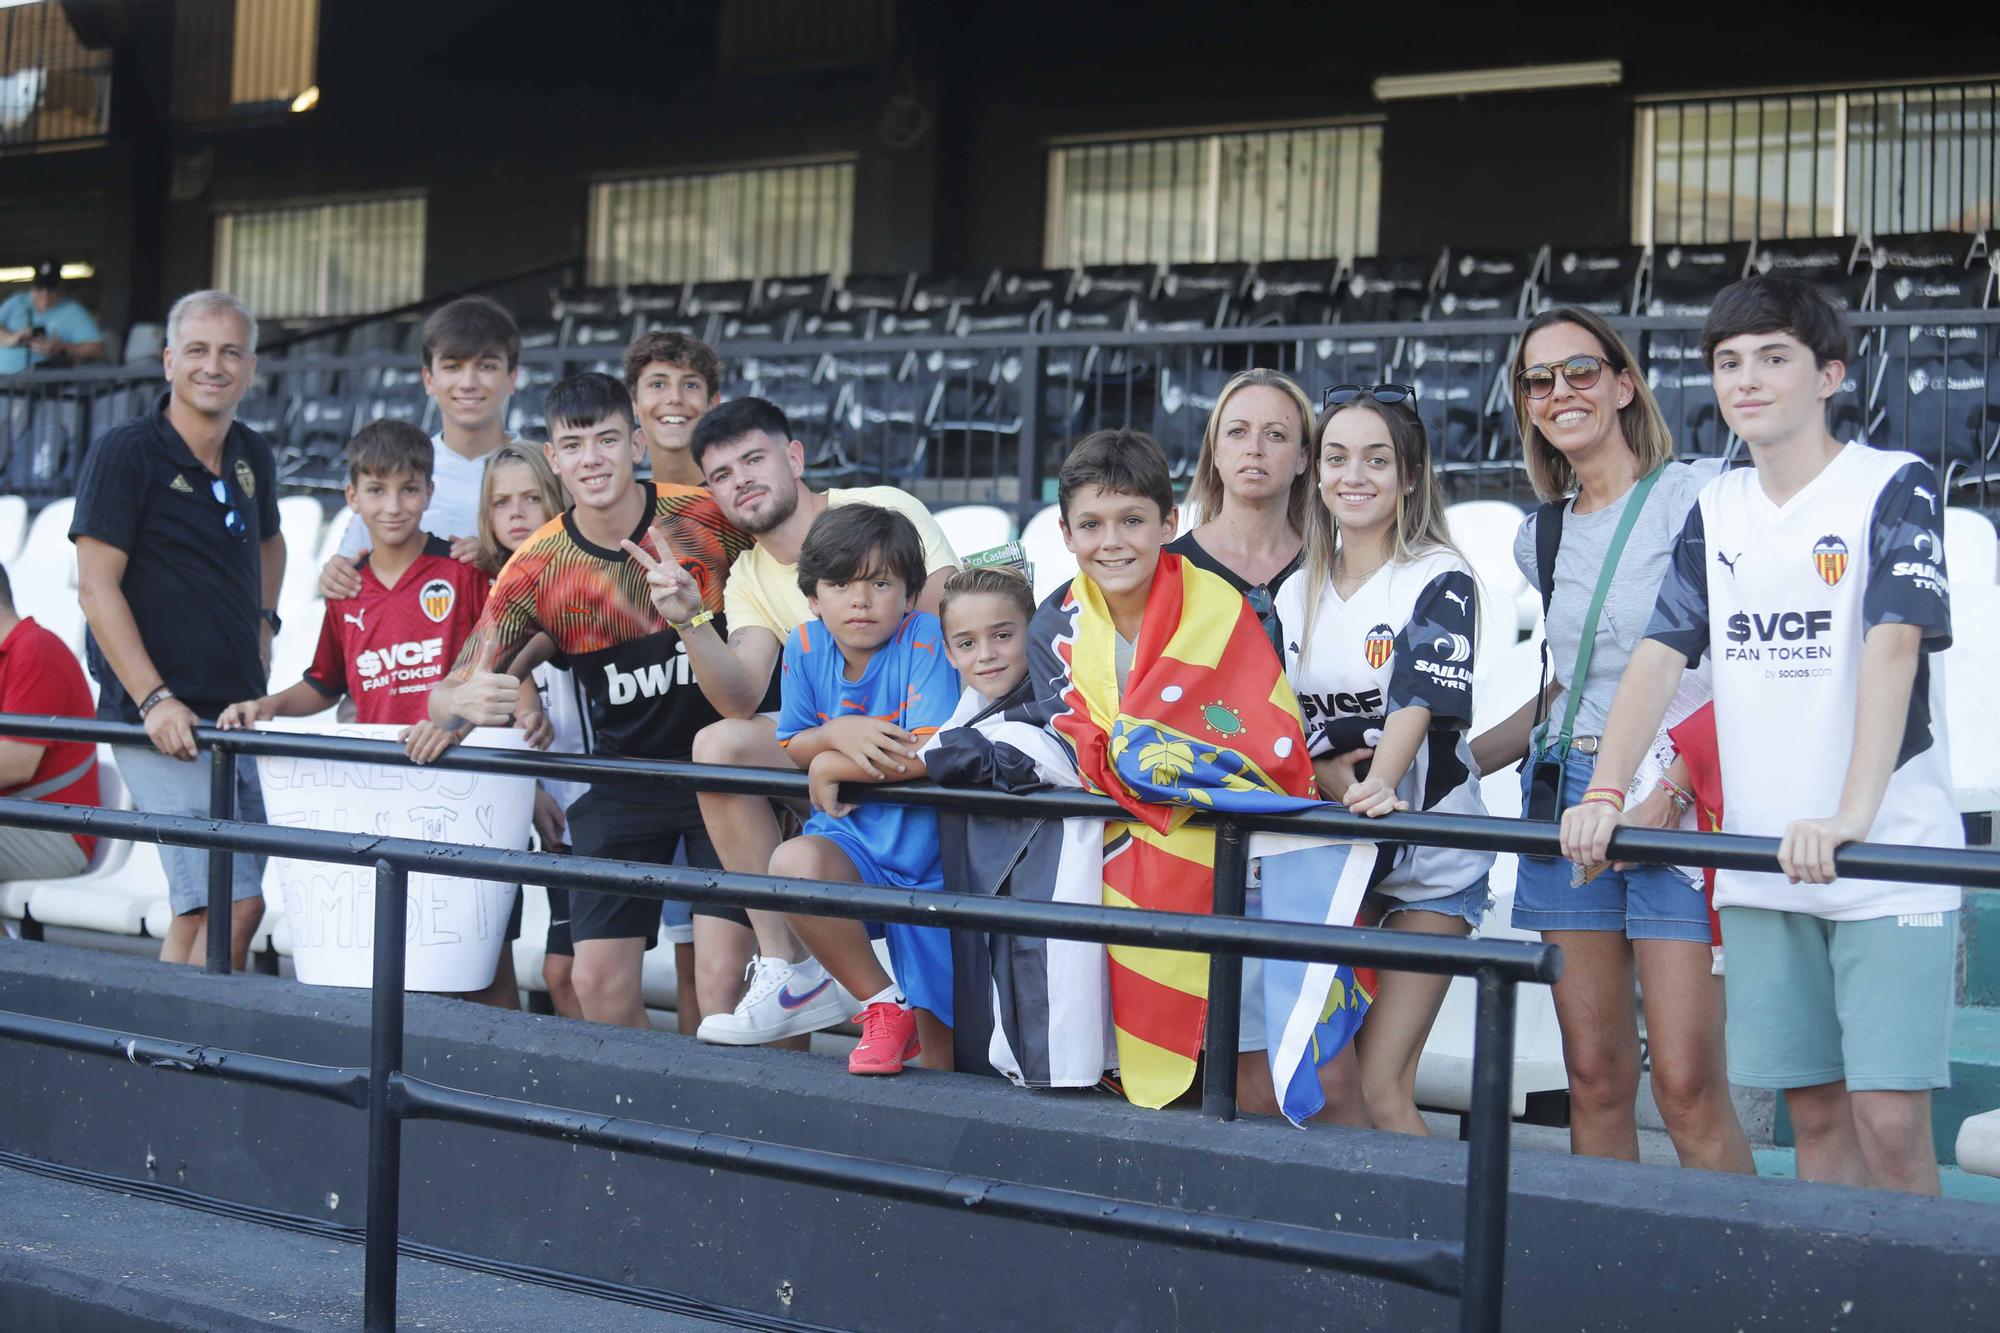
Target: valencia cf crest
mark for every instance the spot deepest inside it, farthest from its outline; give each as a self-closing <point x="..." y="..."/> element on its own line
<point x="1381" y="641"/>
<point x="1830" y="559"/>
<point x="246" y="480"/>
<point x="437" y="597"/>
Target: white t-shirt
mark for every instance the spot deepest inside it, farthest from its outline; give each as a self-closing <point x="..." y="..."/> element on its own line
<point x="454" y="507"/>
<point x="1404" y="639"/>
<point x="563" y="702"/>
<point x="1781" y="597"/>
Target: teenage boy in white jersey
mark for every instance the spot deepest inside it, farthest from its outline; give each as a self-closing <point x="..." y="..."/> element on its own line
<point x="1815" y="582"/>
<point x="472" y="349"/>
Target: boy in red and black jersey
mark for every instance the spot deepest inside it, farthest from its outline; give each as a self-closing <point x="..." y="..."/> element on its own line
<point x="574" y="583"/>
<point x="393" y="641"/>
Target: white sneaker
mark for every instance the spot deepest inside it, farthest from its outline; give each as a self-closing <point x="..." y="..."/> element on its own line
<point x="784" y="1000"/>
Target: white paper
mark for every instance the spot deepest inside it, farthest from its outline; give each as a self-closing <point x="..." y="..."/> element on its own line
<point x="455" y="927"/>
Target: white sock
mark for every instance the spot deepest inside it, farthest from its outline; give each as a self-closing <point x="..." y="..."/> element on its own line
<point x="887" y="995"/>
<point x="809" y="967"/>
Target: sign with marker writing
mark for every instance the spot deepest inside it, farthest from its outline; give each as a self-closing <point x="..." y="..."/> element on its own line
<point x="455" y="927"/>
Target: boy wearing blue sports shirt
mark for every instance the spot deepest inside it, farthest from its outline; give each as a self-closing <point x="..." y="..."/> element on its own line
<point x="870" y="654"/>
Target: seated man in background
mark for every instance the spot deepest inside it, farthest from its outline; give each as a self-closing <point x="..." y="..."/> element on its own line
<point x="39" y="675"/>
<point x="41" y="326"/>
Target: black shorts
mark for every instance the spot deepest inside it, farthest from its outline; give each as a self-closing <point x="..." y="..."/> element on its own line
<point x="649" y="830"/>
<point x="559" y="943"/>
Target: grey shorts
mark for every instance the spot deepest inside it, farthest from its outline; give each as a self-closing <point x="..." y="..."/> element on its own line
<point x="163" y="786"/>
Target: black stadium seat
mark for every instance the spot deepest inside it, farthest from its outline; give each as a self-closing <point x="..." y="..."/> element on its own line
<point x="1293" y="277"/>
<point x="1025" y="286"/>
<point x="1290" y="308"/>
<point x="945" y="291"/>
<point x="597" y="332"/>
<point x="1604" y="280"/>
<point x="654" y="298"/>
<point x="1484" y="284"/>
<point x="1386" y="290"/>
<point x="1930" y="391"/>
<point x="1028" y="315"/>
<point x="583" y="301"/>
<point x="719" y="298"/>
<point x="1139" y="280"/>
<point x="1186" y="313"/>
<point x="1685" y="279"/>
<point x="874" y="291"/>
<point x="1832" y="264"/>
<point x="805" y="294"/>
<point x="762" y="326"/>
<point x="1229" y="278"/>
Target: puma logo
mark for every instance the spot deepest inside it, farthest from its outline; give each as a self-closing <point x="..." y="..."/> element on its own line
<point x="1728" y="562"/>
<point x="1458" y="597"/>
<point x="1929" y="500"/>
<point x="354" y="618"/>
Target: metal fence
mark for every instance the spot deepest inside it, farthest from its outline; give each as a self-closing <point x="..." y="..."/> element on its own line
<point x="1472" y="1268"/>
<point x="986" y="417"/>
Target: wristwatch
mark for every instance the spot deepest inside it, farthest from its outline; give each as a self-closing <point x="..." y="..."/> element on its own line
<point x="270" y="618"/>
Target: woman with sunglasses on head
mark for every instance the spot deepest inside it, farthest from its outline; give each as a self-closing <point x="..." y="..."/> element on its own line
<point x="1600" y="456"/>
<point x="1380" y="631"/>
<point x="1252" y="487"/>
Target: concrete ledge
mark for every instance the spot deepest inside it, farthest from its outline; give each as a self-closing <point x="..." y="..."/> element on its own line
<point x="1593" y="1244"/>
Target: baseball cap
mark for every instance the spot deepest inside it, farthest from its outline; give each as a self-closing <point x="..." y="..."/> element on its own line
<point x="48" y="273"/>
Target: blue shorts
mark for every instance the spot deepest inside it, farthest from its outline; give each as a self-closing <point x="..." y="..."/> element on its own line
<point x="920" y="956"/>
<point x="1470" y="903"/>
<point x="1640" y="902"/>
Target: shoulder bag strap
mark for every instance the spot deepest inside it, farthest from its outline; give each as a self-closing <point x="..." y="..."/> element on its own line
<point x="1604" y="577"/>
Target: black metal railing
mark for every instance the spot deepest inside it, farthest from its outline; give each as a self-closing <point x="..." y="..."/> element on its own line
<point x="1473" y="1268"/>
<point x="986" y="417"/>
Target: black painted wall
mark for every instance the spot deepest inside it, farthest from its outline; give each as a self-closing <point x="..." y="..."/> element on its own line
<point x="503" y="112"/>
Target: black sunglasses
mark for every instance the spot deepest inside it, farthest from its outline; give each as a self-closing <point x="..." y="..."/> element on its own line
<point x="232" y="520"/>
<point x="1340" y="395"/>
<point x="1579" y="372"/>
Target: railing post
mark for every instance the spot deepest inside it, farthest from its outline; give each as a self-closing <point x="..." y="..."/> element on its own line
<point x="385" y="1124"/>
<point x="1028" y="453"/>
<point x="221" y="865"/>
<point x="1479" y="1301"/>
<point x="1225" y="977"/>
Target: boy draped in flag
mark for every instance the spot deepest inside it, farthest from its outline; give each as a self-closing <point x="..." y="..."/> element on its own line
<point x="1159" y="685"/>
<point x="1815" y="584"/>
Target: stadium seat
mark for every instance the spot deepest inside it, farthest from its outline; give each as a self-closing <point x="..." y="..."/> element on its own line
<point x="1972" y="710"/>
<point x="1484" y="531"/>
<point x="1685" y="278"/>
<point x="1971" y="549"/>
<point x="1186" y="396"/>
<point x="1932" y="270"/>
<point x="1290" y="309"/>
<point x="1189" y="312"/>
<point x="653" y="298"/>
<point x="1042" y="542"/>
<point x="44" y="573"/>
<point x="1030" y="314"/>
<point x="1293" y="277"/>
<point x="300" y="518"/>
<point x="720" y="298"/>
<point x="1484" y="284"/>
<point x="874" y="291"/>
<point x="974" y="528"/>
<point x="109" y="894"/>
<point x="1024" y="286"/>
<point x="835" y="326"/>
<point x="584" y="303"/>
<point x="144" y="343"/>
<point x="1929" y="391"/>
<point x="761" y="325"/>
<point x="807" y="295"/>
<point x="1137" y="280"/>
<point x="934" y="322"/>
<point x="1229" y="278"/>
<point x="596" y="332"/>
<point x="13" y="527"/>
<point x="1386" y="290"/>
<point x="1605" y="280"/>
<point x="1501" y="682"/>
<point x="1461" y="395"/>
<point x="1832" y="264"/>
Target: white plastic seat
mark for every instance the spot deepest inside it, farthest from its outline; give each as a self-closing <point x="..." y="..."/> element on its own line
<point x="13" y="526"/>
<point x="1444" y="1070"/>
<point x="974" y="528"/>
<point x="1042" y="541"/>
<point x="1485" y="530"/>
<point x="1978" y="1147"/>
<point x="1971" y="710"/>
<point x="301" y="520"/>
<point x="44" y="574"/>
<point x="1504" y="681"/>
<point x="329" y="539"/>
<point x="1971" y="548"/>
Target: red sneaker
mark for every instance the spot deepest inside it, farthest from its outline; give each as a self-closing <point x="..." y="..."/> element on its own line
<point x="888" y="1038"/>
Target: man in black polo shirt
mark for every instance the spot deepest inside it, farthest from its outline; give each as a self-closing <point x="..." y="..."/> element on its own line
<point x="179" y="561"/>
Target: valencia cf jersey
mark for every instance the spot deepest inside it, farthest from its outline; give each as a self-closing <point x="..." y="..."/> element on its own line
<point x="639" y="692"/>
<point x="1404" y="639"/>
<point x="389" y="646"/>
<point x="1780" y="598"/>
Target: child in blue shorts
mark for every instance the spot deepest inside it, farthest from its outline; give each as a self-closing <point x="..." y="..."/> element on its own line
<point x="877" y="667"/>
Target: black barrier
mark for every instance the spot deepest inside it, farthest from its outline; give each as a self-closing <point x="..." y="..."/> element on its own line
<point x="1474" y="1269"/>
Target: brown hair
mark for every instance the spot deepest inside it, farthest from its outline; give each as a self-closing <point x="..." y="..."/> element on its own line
<point x="384" y="447"/>
<point x="1420" y="526"/>
<point x="997" y="580"/>
<point x="1643" y="425"/>
<point x="491" y="554"/>
<point x="471" y="326"/>
<point x="1205" y="490"/>
<point x="1121" y="462"/>
<point x="675" y="349"/>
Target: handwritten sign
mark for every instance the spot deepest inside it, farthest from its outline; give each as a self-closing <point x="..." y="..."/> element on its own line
<point x="455" y="927"/>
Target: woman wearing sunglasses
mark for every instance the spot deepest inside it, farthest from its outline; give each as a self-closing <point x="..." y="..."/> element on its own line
<point x="1600" y="456"/>
<point x="1380" y="632"/>
<point x="1252" y="488"/>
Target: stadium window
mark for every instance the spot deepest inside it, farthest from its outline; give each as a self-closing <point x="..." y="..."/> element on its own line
<point x="308" y="260"/>
<point x="236" y="57"/>
<point x="1304" y="192"/>
<point x="53" y="89"/>
<point x="715" y="226"/>
<point x="1850" y="161"/>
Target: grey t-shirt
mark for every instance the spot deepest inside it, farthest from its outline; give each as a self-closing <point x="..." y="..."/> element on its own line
<point x="1628" y="607"/>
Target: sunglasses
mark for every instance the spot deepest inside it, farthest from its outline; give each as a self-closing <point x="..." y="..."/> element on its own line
<point x="1340" y="395"/>
<point x="232" y="520"/>
<point x="1579" y="372"/>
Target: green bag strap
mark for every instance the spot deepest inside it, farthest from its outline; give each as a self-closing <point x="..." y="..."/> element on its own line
<point x="1637" y="502"/>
